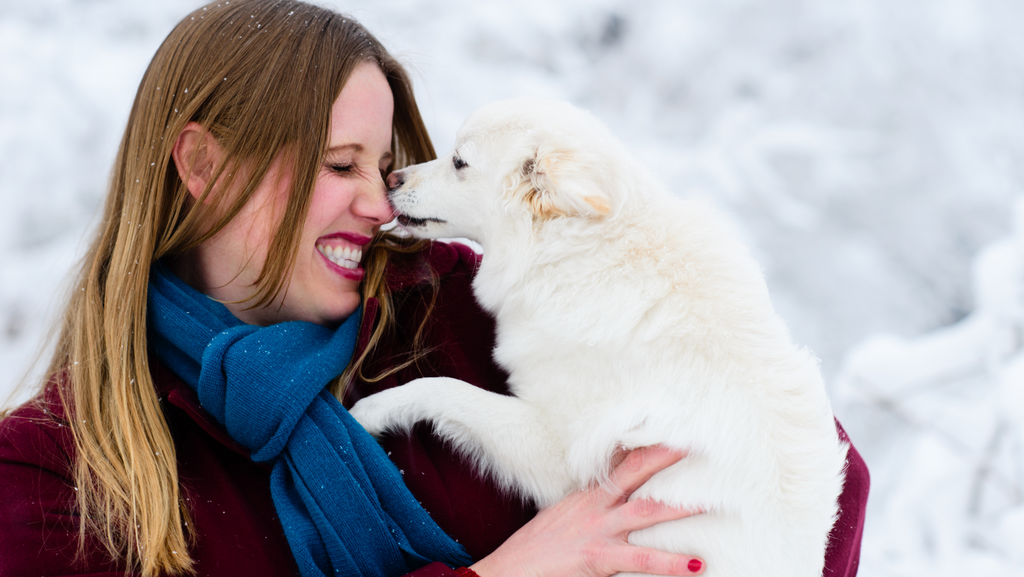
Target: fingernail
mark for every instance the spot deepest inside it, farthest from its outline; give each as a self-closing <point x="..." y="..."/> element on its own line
<point x="694" y="565"/>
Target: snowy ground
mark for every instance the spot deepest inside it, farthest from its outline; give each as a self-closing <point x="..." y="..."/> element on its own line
<point x="871" y="150"/>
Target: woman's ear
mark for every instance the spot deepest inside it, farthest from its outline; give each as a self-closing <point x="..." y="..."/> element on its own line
<point x="196" y="155"/>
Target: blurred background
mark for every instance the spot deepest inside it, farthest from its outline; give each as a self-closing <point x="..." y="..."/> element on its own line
<point x="871" y="151"/>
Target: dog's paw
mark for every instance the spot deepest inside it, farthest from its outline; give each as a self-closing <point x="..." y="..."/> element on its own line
<point x="373" y="414"/>
<point x="397" y="410"/>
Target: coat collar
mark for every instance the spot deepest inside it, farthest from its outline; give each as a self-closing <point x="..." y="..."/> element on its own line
<point x="437" y="260"/>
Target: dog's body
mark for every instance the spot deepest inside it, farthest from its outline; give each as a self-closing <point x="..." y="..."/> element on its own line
<point x="626" y="317"/>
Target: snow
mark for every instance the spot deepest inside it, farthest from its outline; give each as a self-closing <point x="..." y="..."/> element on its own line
<point x="944" y="417"/>
<point x="872" y="152"/>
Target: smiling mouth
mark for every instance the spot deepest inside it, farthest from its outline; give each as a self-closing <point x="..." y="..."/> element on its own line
<point x="344" y="257"/>
<point x="407" y="220"/>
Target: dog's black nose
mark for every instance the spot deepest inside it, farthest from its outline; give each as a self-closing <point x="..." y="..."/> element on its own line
<point x="395" y="179"/>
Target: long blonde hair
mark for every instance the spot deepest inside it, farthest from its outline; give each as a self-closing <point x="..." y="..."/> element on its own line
<point x="260" y="75"/>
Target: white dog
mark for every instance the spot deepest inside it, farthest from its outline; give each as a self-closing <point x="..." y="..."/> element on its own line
<point x="626" y="317"/>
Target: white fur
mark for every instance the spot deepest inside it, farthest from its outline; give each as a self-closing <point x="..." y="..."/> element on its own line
<point x="626" y="317"/>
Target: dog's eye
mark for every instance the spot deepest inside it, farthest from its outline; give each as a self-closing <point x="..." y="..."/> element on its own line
<point x="459" y="163"/>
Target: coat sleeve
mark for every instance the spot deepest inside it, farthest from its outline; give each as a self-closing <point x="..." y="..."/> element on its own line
<point x="843" y="554"/>
<point x="38" y="528"/>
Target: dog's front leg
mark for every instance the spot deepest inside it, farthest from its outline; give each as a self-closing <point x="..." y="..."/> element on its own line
<point x="503" y="435"/>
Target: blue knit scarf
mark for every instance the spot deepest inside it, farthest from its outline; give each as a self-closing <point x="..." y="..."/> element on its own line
<point x="343" y="504"/>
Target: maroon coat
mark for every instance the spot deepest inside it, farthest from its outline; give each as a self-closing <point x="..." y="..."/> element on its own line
<point x="237" y="530"/>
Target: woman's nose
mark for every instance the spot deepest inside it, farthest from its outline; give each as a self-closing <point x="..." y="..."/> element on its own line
<point x="372" y="204"/>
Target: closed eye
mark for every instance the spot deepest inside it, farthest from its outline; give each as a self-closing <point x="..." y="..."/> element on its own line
<point x="346" y="169"/>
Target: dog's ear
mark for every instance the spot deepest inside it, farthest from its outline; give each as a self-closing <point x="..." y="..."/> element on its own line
<point x="554" y="181"/>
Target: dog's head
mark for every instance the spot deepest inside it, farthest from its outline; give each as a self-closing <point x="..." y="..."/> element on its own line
<point x="513" y="161"/>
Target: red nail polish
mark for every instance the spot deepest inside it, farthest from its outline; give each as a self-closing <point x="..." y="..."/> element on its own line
<point x="694" y="565"/>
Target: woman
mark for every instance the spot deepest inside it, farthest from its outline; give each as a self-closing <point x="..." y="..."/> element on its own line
<point x="174" y="434"/>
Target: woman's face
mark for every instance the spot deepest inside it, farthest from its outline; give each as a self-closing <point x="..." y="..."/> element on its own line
<point x="347" y="209"/>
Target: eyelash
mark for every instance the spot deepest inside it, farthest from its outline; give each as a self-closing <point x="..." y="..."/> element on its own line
<point x="347" y="169"/>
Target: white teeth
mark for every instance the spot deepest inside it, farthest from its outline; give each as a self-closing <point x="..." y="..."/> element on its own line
<point x="341" y="256"/>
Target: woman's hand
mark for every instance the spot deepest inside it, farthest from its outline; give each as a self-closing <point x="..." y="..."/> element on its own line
<point x="586" y="533"/>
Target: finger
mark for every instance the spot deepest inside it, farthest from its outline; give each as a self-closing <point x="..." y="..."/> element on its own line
<point x="618" y="456"/>
<point x="639" y="466"/>
<point x="642" y="513"/>
<point x="654" y="562"/>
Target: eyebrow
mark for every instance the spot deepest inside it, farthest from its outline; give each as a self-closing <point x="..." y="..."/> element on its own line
<point x="389" y="156"/>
